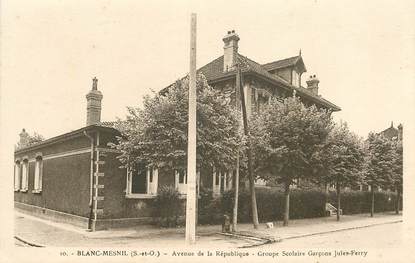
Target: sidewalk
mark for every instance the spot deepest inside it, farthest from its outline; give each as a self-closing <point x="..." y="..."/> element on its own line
<point x="36" y="231"/>
<point x="307" y="227"/>
<point x="42" y="232"/>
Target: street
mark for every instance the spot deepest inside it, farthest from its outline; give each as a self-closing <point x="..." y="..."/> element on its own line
<point x="357" y="236"/>
<point x="356" y="231"/>
<point x="50" y="234"/>
<point x="380" y="236"/>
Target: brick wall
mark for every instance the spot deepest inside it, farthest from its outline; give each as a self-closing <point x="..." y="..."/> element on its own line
<point x="65" y="180"/>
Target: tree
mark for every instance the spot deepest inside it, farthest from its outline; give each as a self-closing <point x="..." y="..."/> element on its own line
<point x="340" y="160"/>
<point x="397" y="170"/>
<point x="30" y="140"/>
<point x="35" y="138"/>
<point x="285" y="135"/>
<point x="378" y="170"/>
<point x="156" y="134"/>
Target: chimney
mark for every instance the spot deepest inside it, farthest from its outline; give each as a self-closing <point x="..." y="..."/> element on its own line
<point x="312" y="84"/>
<point x="400" y="132"/>
<point x="230" y="51"/>
<point x="24" y="139"/>
<point x="93" y="109"/>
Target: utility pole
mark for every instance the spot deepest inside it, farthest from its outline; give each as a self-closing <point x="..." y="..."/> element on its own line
<point x="191" y="137"/>
<point x="250" y="168"/>
<point x="236" y="179"/>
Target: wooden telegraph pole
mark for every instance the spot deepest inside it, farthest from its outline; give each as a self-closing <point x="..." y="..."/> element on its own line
<point x="236" y="179"/>
<point x="249" y="151"/>
<point x="191" y="150"/>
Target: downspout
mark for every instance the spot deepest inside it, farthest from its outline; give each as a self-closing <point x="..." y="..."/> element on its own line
<point x="91" y="179"/>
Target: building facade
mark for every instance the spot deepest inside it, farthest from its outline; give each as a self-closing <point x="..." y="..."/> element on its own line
<point x="77" y="178"/>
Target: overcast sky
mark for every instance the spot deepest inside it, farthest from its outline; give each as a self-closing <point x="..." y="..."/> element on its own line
<point x="363" y="54"/>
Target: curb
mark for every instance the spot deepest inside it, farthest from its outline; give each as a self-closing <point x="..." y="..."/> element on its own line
<point x="264" y="240"/>
<point x="260" y="240"/>
<point x="341" y="229"/>
<point x="27" y="242"/>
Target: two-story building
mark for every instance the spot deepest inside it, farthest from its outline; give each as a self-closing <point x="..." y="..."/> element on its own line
<point x="75" y="177"/>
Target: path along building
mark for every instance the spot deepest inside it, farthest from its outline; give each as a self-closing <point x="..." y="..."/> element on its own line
<point x="75" y="177"/>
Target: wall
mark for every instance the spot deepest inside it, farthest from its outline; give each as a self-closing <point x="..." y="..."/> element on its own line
<point x="65" y="180"/>
<point x="115" y="204"/>
<point x="284" y="73"/>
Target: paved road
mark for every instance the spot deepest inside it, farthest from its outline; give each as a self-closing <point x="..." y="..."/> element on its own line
<point x="38" y="232"/>
<point x="45" y="233"/>
<point x="381" y="236"/>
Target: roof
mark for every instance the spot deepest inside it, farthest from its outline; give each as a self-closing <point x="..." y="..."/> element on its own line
<point x="102" y="125"/>
<point x="284" y="63"/>
<point x="213" y="72"/>
<point x="390" y="132"/>
<point x="108" y="124"/>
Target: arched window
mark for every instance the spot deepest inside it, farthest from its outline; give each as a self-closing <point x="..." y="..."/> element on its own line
<point x="38" y="174"/>
<point x="17" y="175"/>
<point x="25" y="175"/>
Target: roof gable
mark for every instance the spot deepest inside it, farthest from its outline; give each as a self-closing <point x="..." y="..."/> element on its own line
<point x="285" y="63"/>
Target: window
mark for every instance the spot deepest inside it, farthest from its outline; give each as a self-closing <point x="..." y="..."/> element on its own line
<point x="142" y="182"/>
<point x="216" y="181"/>
<point x="17" y="176"/>
<point x="152" y="178"/>
<point x="139" y="180"/>
<point x="181" y="181"/>
<point x="150" y="172"/>
<point x="38" y="175"/>
<point x="25" y="175"/>
<point x="222" y="181"/>
<point x="295" y="78"/>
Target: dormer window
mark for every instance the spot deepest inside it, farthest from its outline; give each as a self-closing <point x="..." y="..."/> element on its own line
<point x="289" y="69"/>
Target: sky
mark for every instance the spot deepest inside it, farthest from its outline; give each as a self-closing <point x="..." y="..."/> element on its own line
<point x="363" y="54"/>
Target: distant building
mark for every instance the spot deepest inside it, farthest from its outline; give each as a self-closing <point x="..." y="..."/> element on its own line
<point x="392" y="132"/>
<point x="76" y="177"/>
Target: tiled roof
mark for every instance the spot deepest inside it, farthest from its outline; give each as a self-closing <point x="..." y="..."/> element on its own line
<point x="283" y="63"/>
<point x="213" y="72"/>
<point x="108" y="124"/>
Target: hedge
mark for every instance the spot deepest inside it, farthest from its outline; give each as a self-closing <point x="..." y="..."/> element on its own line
<point x="303" y="204"/>
<point x="270" y="202"/>
<point x="356" y="202"/>
<point x="168" y="207"/>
